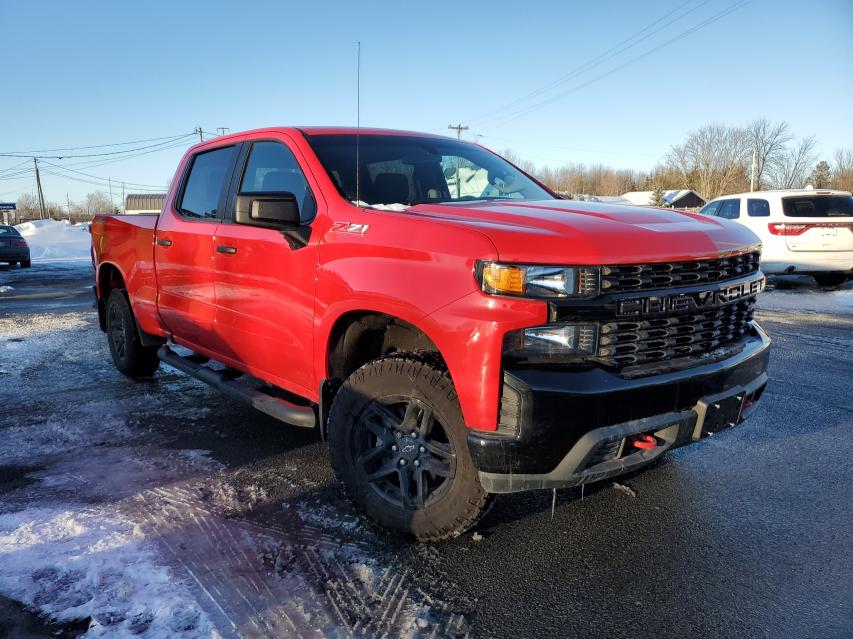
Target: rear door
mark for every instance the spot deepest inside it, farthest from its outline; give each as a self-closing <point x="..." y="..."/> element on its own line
<point x="264" y="279"/>
<point x="183" y="250"/>
<point x="819" y="222"/>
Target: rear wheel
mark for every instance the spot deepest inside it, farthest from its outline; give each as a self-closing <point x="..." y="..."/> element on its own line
<point x="129" y="355"/>
<point x="830" y="279"/>
<point x="399" y="447"/>
<point x="25" y="264"/>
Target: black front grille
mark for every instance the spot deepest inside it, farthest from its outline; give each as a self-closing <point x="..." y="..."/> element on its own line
<point x="643" y="341"/>
<point x="641" y="277"/>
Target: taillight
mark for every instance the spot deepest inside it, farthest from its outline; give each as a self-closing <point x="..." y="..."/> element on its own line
<point x="798" y="229"/>
<point x="787" y="229"/>
<point x="19" y="242"/>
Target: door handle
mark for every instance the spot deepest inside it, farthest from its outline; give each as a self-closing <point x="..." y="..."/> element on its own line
<point x="163" y="242"/>
<point x="228" y="250"/>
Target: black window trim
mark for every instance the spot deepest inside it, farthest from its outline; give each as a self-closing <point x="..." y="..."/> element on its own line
<point x="223" y="194"/>
<point x="239" y="171"/>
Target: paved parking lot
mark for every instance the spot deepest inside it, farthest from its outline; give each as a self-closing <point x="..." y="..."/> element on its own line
<point x="163" y="509"/>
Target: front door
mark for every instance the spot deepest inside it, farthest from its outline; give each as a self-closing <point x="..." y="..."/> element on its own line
<point x="184" y="249"/>
<point x="264" y="282"/>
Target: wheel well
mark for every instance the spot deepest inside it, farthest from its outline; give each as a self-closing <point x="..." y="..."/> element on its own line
<point x="361" y="337"/>
<point x="109" y="278"/>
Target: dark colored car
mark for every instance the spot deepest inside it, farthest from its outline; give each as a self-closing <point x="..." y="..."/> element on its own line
<point x="13" y="247"/>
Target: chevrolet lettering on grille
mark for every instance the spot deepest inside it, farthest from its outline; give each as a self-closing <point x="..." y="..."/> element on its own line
<point x="653" y="305"/>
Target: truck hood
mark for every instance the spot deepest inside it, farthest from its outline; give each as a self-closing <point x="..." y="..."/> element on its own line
<point x="571" y="232"/>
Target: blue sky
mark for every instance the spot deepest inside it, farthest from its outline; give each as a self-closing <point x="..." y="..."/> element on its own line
<point x="86" y="73"/>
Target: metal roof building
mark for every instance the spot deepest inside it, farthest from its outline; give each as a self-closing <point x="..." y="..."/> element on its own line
<point x="144" y="203"/>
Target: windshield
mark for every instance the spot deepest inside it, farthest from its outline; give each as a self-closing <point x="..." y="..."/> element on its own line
<point x="408" y="170"/>
<point x="818" y="206"/>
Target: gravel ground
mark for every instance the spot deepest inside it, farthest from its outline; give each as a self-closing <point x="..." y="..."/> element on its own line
<point x="162" y="509"/>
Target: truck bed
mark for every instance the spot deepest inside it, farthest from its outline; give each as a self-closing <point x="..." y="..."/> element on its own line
<point x="128" y="240"/>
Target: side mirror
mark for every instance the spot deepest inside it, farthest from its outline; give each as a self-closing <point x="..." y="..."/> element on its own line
<point x="268" y="210"/>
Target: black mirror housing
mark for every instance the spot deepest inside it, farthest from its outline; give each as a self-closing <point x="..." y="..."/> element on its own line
<point x="268" y="210"/>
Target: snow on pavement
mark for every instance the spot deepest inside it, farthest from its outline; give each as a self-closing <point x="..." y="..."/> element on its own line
<point x="56" y="240"/>
<point x="799" y="293"/>
<point x="109" y="521"/>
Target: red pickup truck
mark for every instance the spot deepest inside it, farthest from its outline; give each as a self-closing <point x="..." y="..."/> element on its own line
<point x="449" y="324"/>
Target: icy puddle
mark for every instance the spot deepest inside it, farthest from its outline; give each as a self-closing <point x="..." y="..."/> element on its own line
<point x="101" y="518"/>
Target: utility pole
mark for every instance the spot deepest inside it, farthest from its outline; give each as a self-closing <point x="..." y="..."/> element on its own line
<point x="68" y="204"/>
<point x="222" y="129"/>
<point x="752" y="174"/>
<point x="123" y="207"/>
<point x="198" y="130"/>
<point x="110" y="183"/>
<point x="38" y="187"/>
<point x="458" y="128"/>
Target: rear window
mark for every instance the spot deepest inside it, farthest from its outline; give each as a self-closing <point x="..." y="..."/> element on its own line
<point x="729" y="209"/>
<point x="205" y="182"/>
<point x="758" y="208"/>
<point x="7" y="231"/>
<point x="818" y="206"/>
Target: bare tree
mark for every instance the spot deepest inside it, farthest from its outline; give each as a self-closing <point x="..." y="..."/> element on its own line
<point x="842" y="169"/>
<point x="712" y="160"/>
<point x="792" y="168"/>
<point x="768" y="140"/>
<point x="98" y="203"/>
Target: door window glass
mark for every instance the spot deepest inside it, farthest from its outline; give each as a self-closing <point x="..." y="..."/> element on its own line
<point x="205" y="182"/>
<point x="758" y="208"/>
<point x="729" y="209"/>
<point x="272" y="168"/>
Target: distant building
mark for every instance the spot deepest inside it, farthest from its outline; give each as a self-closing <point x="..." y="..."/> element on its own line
<point x="144" y="203"/>
<point x="683" y="199"/>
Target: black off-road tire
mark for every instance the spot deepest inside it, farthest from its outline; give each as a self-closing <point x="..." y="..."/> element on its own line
<point x="25" y="264"/>
<point x="459" y="500"/>
<point x="130" y="357"/>
<point x="828" y="280"/>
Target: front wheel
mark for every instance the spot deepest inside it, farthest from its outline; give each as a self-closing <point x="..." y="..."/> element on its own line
<point x="129" y="355"/>
<point x="399" y="446"/>
<point x="830" y="279"/>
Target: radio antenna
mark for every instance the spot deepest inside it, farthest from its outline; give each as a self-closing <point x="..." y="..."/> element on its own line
<point x="358" y="126"/>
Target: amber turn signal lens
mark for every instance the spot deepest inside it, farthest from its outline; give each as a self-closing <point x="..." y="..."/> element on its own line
<point x="500" y="278"/>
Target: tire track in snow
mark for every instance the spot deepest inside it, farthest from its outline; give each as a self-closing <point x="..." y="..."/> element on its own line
<point x="313" y="584"/>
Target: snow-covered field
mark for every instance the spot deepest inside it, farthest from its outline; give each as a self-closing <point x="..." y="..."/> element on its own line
<point x="54" y="240"/>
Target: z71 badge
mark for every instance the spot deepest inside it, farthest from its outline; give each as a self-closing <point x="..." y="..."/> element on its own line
<point x="350" y="227"/>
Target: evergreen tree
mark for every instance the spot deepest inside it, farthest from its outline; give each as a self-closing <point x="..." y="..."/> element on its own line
<point x="821" y="176"/>
<point x="657" y="197"/>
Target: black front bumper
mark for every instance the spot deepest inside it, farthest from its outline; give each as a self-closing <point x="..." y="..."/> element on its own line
<point x="563" y="428"/>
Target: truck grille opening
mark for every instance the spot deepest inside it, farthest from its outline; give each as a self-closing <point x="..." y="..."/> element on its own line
<point x="640" y="277"/>
<point x="643" y="341"/>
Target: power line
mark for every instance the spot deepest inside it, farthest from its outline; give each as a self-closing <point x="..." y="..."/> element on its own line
<point x="603" y="57"/>
<point x="100" y="146"/>
<point x="98" y="177"/>
<point x="701" y="25"/>
<point x="90" y="155"/>
<point x="101" y="183"/>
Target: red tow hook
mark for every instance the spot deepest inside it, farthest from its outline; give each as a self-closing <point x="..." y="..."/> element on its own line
<point x="747" y="403"/>
<point x="643" y="441"/>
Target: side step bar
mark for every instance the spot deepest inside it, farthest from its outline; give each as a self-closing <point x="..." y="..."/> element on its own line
<point x="273" y="406"/>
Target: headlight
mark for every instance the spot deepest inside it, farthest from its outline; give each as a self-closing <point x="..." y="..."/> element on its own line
<point x="552" y="341"/>
<point x="543" y="282"/>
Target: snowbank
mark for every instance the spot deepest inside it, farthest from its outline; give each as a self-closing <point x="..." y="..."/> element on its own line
<point x="93" y="563"/>
<point x="801" y="294"/>
<point x="54" y="240"/>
